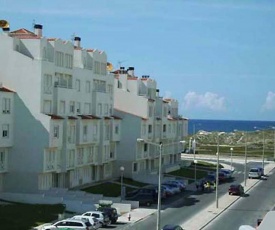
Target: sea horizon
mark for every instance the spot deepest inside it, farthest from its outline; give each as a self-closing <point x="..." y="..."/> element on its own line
<point x="212" y="125"/>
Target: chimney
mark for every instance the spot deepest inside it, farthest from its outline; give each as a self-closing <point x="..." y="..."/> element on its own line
<point x="77" y="42"/>
<point x="130" y="71"/>
<point x="6" y="30"/>
<point x="157" y="92"/>
<point x="38" y="30"/>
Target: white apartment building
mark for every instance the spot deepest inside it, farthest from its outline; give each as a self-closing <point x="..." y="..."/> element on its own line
<point x="149" y="117"/>
<point x="62" y="129"/>
<point x="6" y="125"/>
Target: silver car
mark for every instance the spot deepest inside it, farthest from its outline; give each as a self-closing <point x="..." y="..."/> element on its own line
<point x="254" y="173"/>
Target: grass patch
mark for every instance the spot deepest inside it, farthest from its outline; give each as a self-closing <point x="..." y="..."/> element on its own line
<point x="108" y="189"/>
<point x="132" y="182"/>
<point x="189" y="173"/>
<point x="18" y="216"/>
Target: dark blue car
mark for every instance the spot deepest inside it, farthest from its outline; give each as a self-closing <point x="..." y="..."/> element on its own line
<point x="172" y="227"/>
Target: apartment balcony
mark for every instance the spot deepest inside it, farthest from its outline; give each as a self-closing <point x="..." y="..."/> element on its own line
<point x="52" y="166"/>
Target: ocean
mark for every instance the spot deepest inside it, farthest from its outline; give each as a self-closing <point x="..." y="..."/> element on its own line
<point x="194" y="125"/>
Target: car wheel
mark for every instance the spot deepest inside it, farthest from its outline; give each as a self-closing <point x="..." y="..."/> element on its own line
<point x="229" y="193"/>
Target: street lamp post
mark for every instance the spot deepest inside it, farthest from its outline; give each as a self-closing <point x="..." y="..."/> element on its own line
<point x="245" y="159"/>
<point x="273" y="143"/>
<point x="231" y="150"/>
<point x="121" y="183"/>
<point x="195" y="162"/>
<point x="194" y="148"/>
<point x="160" y="146"/>
<point x="263" y="151"/>
<point x="217" y="168"/>
<point x="159" y="178"/>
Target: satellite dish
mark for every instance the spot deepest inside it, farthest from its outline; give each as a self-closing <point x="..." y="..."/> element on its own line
<point x="4" y="24"/>
<point x="109" y="66"/>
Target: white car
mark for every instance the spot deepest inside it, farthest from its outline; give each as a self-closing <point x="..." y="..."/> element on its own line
<point x="254" y="173"/>
<point x="102" y="217"/>
<point x="69" y="224"/>
<point x="94" y="222"/>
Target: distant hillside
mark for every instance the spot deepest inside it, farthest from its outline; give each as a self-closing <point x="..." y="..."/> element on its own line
<point x="254" y="142"/>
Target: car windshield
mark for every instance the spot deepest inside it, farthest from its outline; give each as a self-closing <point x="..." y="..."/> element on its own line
<point x="254" y="170"/>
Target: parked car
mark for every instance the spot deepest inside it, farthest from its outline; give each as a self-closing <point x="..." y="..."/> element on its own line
<point x="70" y="224"/>
<point x="236" y="189"/>
<point x="111" y="212"/>
<point x="168" y="190"/>
<point x="174" y="187"/>
<point x="211" y="178"/>
<point x="228" y="173"/>
<point x="261" y="171"/>
<point x="143" y="198"/>
<point x="254" y="173"/>
<point x="222" y="177"/>
<point x="181" y="184"/>
<point x="172" y="227"/>
<point x="102" y="217"/>
<point x="94" y="222"/>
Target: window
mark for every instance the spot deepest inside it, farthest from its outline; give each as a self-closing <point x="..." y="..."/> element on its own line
<point x="5" y="130"/>
<point x="135" y="167"/>
<point x="107" y="132"/>
<point x="117" y="129"/>
<point x="87" y="108"/>
<point x="59" y="58"/>
<point x="99" y="106"/>
<point x="77" y="85"/>
<point x="72" y="106"/>
<point x="78" y="109"/>
<point x="88" y="86"/>
<point x="85" y="132"/>
<point x="145" y="147"/>
<point x="48" y="83"/>
<point x="106" y="110"/>
<point x="62" y="107"/>
<point x="6" y="106"/>
<point x="149" y="128"/>
<point x="103" y="70"/>
<point x="165" y="111"/>
<point x="164" y="128"/>
<point x="47" y="106"/>
<point x="150" y="111"/>
<point x="69" y="61"/>
<point x="56" y="131"/>
<point x="95" y="131"/>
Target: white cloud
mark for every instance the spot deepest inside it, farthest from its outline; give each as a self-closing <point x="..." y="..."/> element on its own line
<point x="269" y="101"/>
<point x="210" y="101"/>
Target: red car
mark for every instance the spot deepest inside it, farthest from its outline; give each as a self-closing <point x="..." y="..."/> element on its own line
<point x="236" y="189"/>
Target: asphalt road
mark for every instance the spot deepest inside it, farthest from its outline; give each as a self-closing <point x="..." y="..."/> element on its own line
<point x="187" y="205"/>
<point x="248" y="209"/>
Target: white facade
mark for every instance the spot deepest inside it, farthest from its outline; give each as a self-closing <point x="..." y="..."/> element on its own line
<point x="6" y="125"/>
<point x="146" y="116"/>
<point x="65" y="134"/>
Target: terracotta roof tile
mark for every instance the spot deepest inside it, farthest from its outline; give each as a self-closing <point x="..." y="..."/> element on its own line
<point x="23" y="34"/>
<point x="4" y="89"/>
<point x="55" y="117"/>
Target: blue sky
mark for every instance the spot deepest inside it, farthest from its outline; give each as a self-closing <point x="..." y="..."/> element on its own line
<point x="217" y="58"/>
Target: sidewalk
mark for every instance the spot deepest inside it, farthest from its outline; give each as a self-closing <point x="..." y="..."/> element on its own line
<point x="205" y="216"/>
